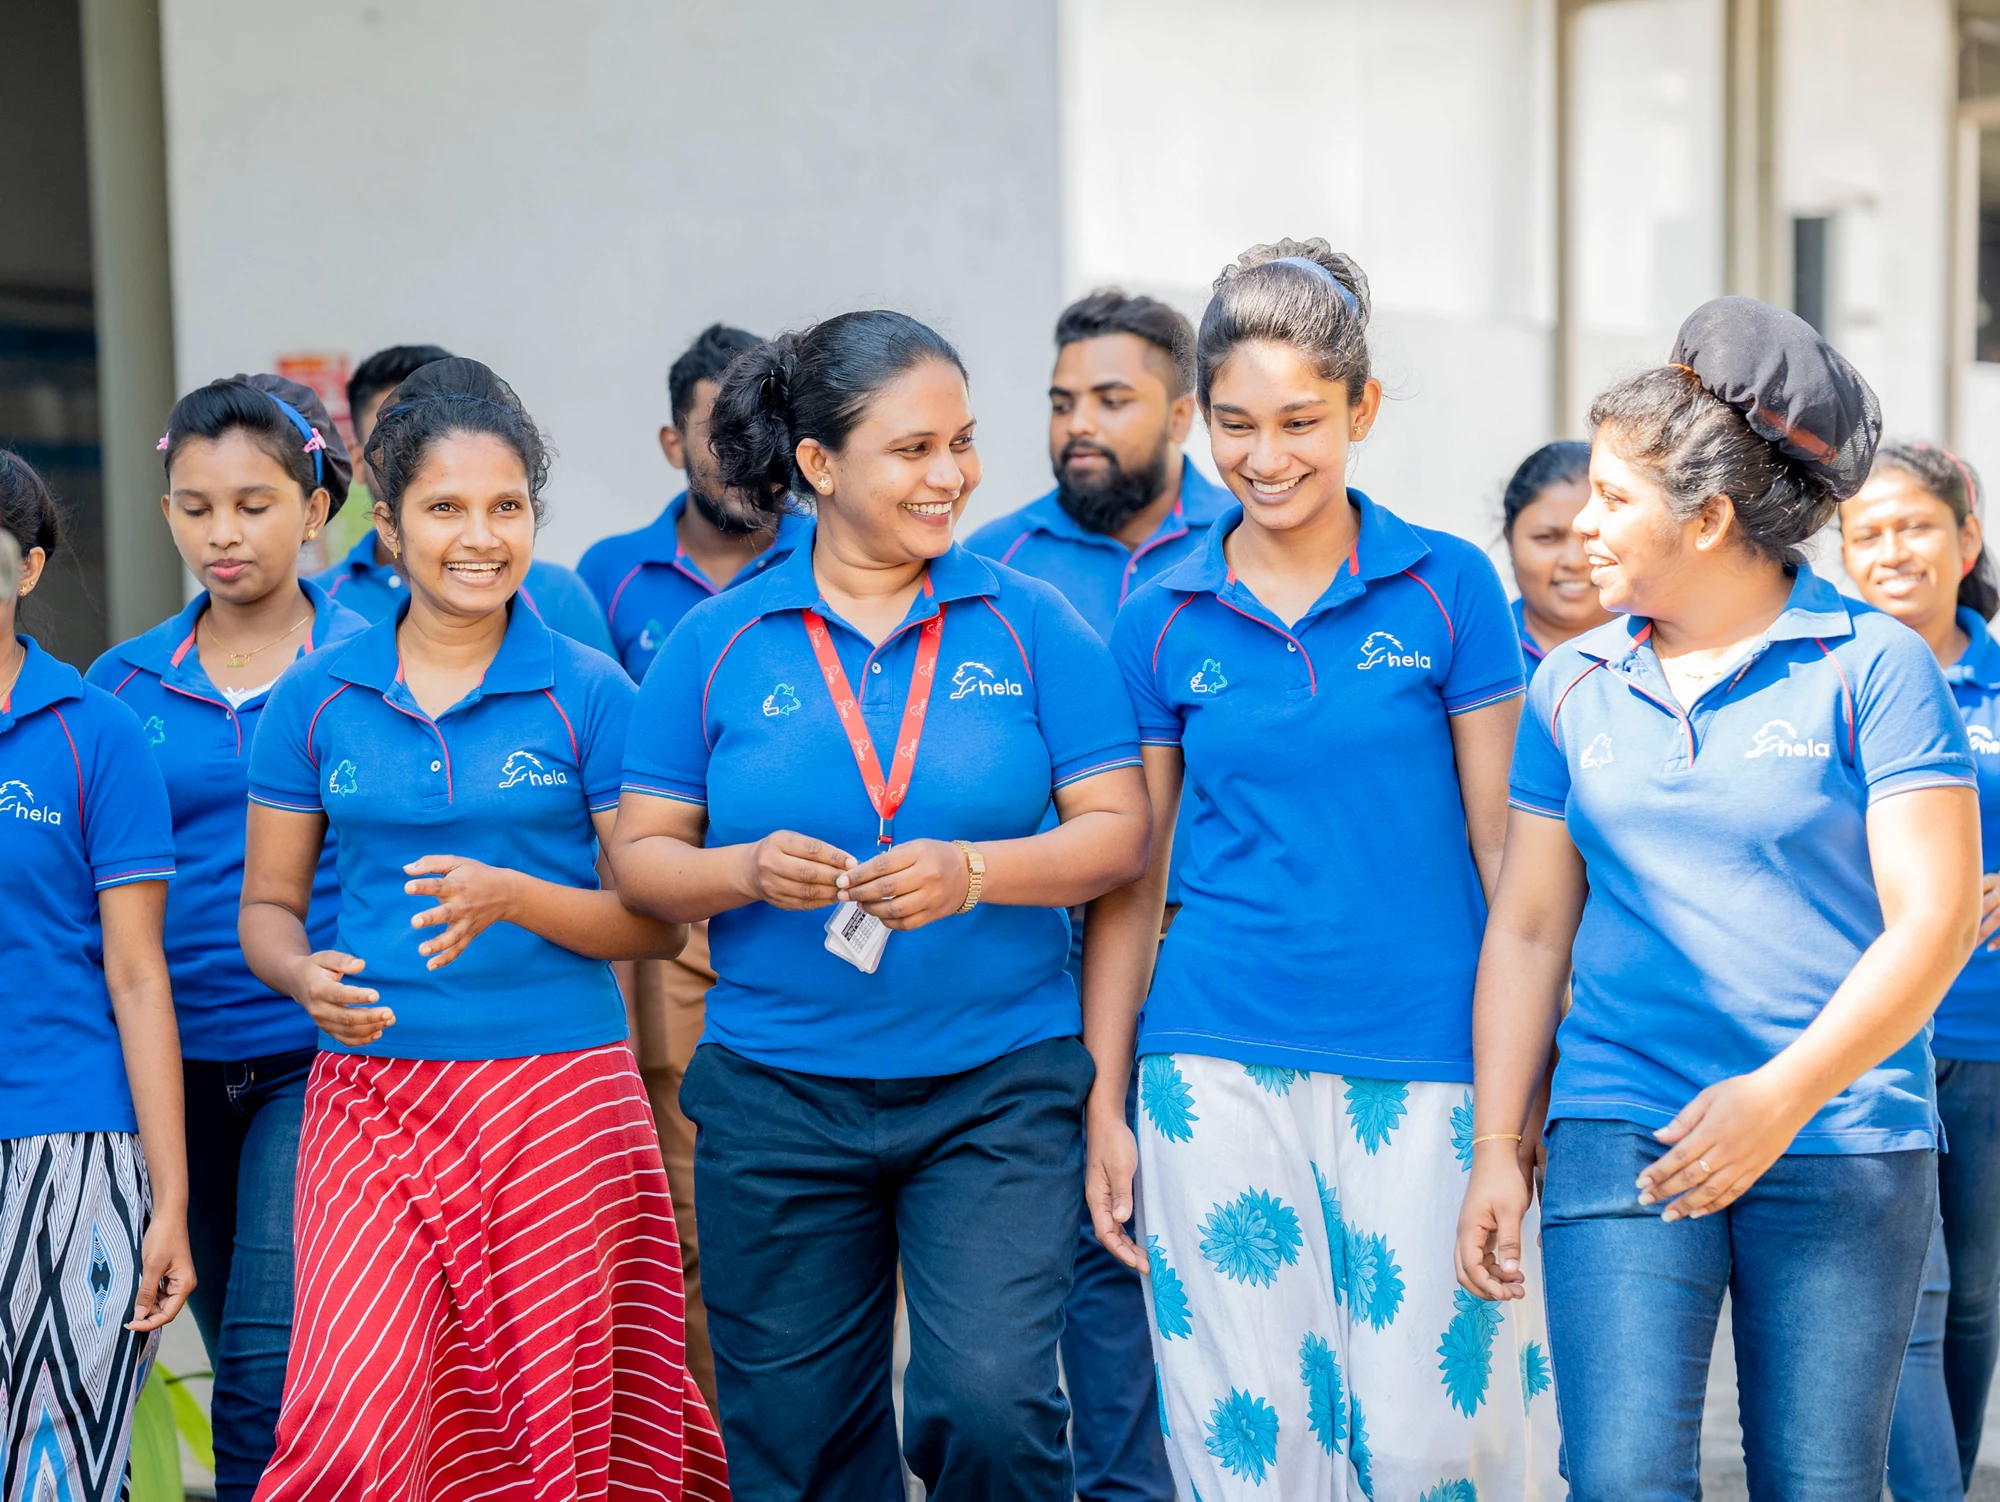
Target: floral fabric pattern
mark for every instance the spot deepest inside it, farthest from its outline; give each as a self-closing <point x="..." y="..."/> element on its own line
<point x="1329" y="1355"/>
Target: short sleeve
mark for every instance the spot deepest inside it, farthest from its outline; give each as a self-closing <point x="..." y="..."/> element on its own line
<point x="1907" y="730"/>
<point x="1486" y="664"/>
<point x="1085" y="716"/>
<point x="1134" y="635"/>
<point x="128" y="825"/>
<point x="1539" y="780"/>
<point x="605" y="729"/>
<point x="666" y="749"/>
<point x="566" y="604"/>
<point x="595" y="569"/>
<point x="283" y="771"/>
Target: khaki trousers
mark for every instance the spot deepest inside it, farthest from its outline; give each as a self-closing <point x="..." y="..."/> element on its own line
<point x="667" y="1014"/>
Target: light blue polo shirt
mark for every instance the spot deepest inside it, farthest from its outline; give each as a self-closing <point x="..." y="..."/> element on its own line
<point x="1967" y="1025"/>
<point x="1727" y="854"/>
<point x="1331" y="912"/>
<point x="645" y="581"/>
<point x="82" y="808"/>
<point x="375" y="591"/>
<point x="735" y="716"/>
<point x="509" y="776"/>
<point x="1097" y="573"/>
<point x="203" y="747"/>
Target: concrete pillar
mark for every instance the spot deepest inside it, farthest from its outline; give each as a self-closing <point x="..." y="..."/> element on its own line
<point x="124" y="111"/>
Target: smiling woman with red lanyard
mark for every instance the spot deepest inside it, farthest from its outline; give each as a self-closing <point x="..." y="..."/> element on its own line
<point x="900" y="1081"/>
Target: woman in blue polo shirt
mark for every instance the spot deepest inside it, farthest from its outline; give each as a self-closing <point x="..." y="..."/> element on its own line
<point x="1911" y="541"/>
<point x="1557" y="600"/>
<point x="1337" y="689"/>
<point x="93" y="1176"/>
<point x="254" y="469"/>
<point x="489" y="1288"/>
<point x="898" y="1083"/>
<point x="1745" y="819"/>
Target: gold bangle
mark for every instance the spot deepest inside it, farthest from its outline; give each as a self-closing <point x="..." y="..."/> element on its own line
<point x="975" y="875"/>
<point x="1497" y="1137"/>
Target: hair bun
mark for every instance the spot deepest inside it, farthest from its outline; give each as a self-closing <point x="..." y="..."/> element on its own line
<point x="306" y="402"/>
<point x="455" y="379"/>
<point x="1796" y="391"/>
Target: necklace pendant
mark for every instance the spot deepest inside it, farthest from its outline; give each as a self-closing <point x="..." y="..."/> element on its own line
<point x="239" y="659"/>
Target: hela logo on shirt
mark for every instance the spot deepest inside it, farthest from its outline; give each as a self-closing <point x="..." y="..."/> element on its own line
<point x="524" y="768"/>
<point x="1598" y="752"/>
<point x="18" y="799"/>
<point x="342" y="780"/>
<point x="1208" y="678"/>
<point x="1778" y="738"/>
<point x="1381" y="650"/>
<point x="652" y="636"/>
<point x="780" y="701"/>
<point x="1982" y="740"/>
<point x="976" y="678"/>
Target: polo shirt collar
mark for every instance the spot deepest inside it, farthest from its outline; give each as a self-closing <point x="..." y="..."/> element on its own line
<point x="1980" y="663"/>
<point x="1200" y="503"/>
<point x="1385" y="545"/>
<point x="955" y="575"/>
<point x="168" y="650"/>
<point x="43" y="680"/>
<point x="360" y="560"/>
<point x="525" y="662"/>
<point x="661" y="541"/>
<point x="1815" y="610"/>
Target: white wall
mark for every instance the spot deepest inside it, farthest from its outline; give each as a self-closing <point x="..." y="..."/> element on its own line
<point x="570" y="192"/>
<point x="1413" y="135"/>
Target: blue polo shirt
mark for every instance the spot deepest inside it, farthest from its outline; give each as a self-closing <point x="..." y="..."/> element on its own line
<point x="1727" y="853"/>
<point x="1531" y="650"/>
<point x="1097" y="573"/>
<point x="1331" y="912"/>
<point x="735" y="716"/>
<point x="645" y="581"/>
<point x="375" y="591"/>
<point x="1967" y="1025"/>
<point x="509" y="776"/>
<point x="82" y="808"/>
<point x="203" y="748"/>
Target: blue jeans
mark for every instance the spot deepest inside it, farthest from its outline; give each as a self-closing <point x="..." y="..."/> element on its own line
<point x="243" y="1153"/>
<point x="1820" y="1259"/>
<point x="1941" y="1407"/>
<point x="812" y="1191"/>
<point x="1107" y="1352"/>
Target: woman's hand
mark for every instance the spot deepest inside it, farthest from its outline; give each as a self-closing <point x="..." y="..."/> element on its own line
<point x="348" y="1013"/>
<point x="1989" y="910"/>
<point x="796" y="872"/>
<point x="1724" y="1140"/>
<point x="166" y="1273"/>
<point x="472" y="897"/>
<point x="1497" y="1196"/>
<point x="907" y="886"/>
<point x="1111" y="1158"/>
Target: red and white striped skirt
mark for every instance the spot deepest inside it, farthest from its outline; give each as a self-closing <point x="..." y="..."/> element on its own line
<point x="489" y="1290"/>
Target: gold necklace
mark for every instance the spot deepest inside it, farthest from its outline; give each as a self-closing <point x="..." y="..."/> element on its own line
<point x="242" y="659"/>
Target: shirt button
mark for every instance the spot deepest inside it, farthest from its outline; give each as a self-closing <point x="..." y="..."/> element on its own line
<point x="875" y="667"/>
<point x="396" y="582"/>
<point x="1291" y="646"/>
<point x="437" y="766"/>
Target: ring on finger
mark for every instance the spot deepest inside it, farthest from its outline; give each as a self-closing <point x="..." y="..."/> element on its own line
<point x="1702" y="1164"/>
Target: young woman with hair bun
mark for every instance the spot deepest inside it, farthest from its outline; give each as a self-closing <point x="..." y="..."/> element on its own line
<point x="489" y="1284"/>
<point x="1745" y="839"/>
<point x="1912" y="542"/>
<point x="1337" y="690"/>
<point x="254" y="468"/>
<point x="843" y="764"/>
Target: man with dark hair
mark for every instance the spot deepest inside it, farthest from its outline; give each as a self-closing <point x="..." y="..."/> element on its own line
<point x="706" y="539"/>
<point x="1127" y="505"/>
<point x="367" y="581"/>
<point x="703" y="543"/>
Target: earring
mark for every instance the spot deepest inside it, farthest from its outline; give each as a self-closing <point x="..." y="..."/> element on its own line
<point x="311" y="533"/>
<point x="824" y="484"/>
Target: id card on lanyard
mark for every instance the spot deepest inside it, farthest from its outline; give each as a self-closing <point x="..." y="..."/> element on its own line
<point x="856" y="936"/>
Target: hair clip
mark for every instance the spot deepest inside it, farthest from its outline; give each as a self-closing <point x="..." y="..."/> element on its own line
<point x="315" y="444"/>
<point x="161" y="446"/>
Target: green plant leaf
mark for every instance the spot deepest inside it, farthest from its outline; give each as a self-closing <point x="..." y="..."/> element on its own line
<point x="192" y="1423"/>
<point x="156" y="1451"/>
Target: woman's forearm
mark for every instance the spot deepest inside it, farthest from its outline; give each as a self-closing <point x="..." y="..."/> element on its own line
<point x="1516" y="1005"/>
<point x="1078" y="861"/>
<point x="274" y="944"/>
<point x="675" y="882"/>
<point x="142" y="1002"/>
<point x="1121" y="939"/>
<point x="595" y="924"/>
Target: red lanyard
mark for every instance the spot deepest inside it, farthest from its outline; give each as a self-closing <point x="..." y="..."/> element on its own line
<point x="885" y="793"/>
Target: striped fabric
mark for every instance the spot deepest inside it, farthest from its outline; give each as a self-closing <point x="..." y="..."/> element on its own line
<point x="489" y="1290"/>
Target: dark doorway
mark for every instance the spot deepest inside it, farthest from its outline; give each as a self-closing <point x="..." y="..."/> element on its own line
<point x="48" y="338"/>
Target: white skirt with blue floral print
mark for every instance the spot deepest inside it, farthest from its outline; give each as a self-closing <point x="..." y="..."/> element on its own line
<point x="1311" y="1337"/>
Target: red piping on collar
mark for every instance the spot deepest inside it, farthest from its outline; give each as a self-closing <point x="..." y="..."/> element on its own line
<point x="575" y="754"/>
<point x="73" y="757"/>
<point x="1013" y="633"/>
<point x="1160" y="640"/>
<point x="1450" y="632"/>
<point x="1312" y="677"/>
<point x="1846" y="696"/>
<point x="314" y="724"/>
<point x="711" y="678"/>
<point x="618" y="594"/>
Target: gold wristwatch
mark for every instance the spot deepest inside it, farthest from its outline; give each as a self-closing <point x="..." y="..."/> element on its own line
<point x="975" y="874"/>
